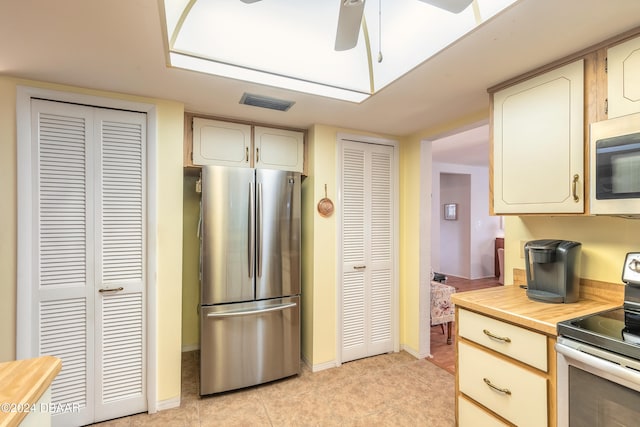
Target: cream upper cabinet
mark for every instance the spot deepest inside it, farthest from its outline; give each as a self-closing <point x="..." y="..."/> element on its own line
<point x="221" y="143"/>
<point x="623" y="78"/>
<point x="279" y="149"/>
<point x="538" y="148"/>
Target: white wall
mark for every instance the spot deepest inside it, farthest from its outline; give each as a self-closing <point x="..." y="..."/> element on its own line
<point x="455" y="235"/>
<point x="483" y="228"/>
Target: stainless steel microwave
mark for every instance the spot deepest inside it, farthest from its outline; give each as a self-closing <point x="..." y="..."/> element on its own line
<point x="615" y="166"/>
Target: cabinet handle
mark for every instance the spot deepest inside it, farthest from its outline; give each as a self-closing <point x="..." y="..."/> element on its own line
<point x="359" y="267"/>
<point x="102" y="291"/>
<point x="574" y="187"/>
<point x="246" y="154"/>
<point x="257" y="154"/>
<point x="495" y="337"/>
<point x="496" y="388"/>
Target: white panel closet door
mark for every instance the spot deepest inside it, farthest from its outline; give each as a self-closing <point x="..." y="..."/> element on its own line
<point x="367" y="250"/>
<point x="88" y="236"/>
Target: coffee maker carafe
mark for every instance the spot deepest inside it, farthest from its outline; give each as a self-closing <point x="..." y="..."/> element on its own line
<point x="553" y="268"/>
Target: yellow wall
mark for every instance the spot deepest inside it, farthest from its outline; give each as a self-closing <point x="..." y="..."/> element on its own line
<point x="8" y="221"/>
<point x="319" y="250"/>
<point x="410" y="244"/>
<point x="168" y="281"/>
<point x="605" y="242"/>
<point x="319" y="309"/>
<point x="190" y="265"/>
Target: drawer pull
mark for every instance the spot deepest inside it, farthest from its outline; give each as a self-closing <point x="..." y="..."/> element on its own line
<point x="498" y="389"/>
<point x="495" y="337"/>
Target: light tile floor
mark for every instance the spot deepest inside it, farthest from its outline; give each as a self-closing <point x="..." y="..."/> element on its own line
<point x="387" y="390"/>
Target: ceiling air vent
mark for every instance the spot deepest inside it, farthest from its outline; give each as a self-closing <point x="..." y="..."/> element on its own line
<point x="266" y="102"/>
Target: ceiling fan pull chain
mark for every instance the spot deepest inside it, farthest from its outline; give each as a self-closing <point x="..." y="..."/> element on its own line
<point x="379" y="31"/>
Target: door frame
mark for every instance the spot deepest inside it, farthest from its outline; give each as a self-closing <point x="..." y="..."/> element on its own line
<point x="24" y="326"/>
<point x="395" y="296"/>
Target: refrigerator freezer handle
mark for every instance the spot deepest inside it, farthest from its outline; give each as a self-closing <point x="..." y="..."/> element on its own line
<point x="252" y="233"/>
<point x="252" y="312"/>
<point x="259" y="232"/>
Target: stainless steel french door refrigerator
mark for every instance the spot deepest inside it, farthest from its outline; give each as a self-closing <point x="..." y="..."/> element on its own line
<point x="250" y="265"/>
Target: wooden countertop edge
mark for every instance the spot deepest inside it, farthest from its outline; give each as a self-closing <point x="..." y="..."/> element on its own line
<point x="510" y="303"/>
<point x="23" y="382"/>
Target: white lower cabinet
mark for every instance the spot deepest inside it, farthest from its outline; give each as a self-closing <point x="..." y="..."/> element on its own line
<point x="470" y="414"/>
<point x="515" y="393"/>
<point x="503" y="373"/>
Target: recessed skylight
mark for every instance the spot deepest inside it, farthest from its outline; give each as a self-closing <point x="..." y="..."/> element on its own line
<point x="290" y="44"/>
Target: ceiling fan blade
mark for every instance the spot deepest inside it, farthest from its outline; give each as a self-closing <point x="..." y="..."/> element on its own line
<point x="349" y="21"/>
<point x="453" y="6"/>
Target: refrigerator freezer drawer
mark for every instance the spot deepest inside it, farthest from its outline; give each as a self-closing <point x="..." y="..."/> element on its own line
<point x="249" y="343"/>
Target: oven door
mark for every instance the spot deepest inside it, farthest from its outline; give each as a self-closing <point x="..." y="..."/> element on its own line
<point x="596" y="387"/>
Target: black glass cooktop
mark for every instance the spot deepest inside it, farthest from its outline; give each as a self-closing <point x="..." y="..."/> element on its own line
<point x="616" y="330"/>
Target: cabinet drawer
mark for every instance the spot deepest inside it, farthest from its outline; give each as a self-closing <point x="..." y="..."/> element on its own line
<point x="522" y="344"/>
<point x="523" y="399"/>
<point x="470" y="415"/>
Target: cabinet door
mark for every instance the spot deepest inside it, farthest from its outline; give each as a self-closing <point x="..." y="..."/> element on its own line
<point x="623" y="78"/>
<point x="279" y="149"/>
<point x="85" y="231"/>
<point x="538" y="147"/>
<point x="368" y="252"/>
<point x="221" y="143"/>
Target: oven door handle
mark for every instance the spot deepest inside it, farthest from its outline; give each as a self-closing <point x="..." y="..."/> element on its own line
<point x="607" y="362"/>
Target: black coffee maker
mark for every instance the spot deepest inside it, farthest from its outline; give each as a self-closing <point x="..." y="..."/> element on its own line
<point x="553" y="268"/>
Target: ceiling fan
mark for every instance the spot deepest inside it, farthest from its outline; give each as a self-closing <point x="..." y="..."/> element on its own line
<point x="350" y="18"/>
<point x="351" y="12"/>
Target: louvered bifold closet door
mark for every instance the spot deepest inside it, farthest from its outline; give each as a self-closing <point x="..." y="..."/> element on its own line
<point x="367" y="248"/>
<point x="88" y="258"/>
<point x="62" y="137"/>
<point x="120" y="274"/>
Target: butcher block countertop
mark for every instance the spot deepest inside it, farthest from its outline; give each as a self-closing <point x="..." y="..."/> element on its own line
<point x="511" y="304"/>
<point x="22" y="382"/>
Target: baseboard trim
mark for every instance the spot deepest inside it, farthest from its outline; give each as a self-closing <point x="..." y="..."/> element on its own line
<point x="412" y="351"/>
<point x="321" y="366"/>
<point x="168" y="404"/>
<point x="190" y="347"/>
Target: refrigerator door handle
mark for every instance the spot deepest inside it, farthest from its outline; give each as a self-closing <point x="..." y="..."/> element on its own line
<point x="259" y="232"/>
<point x="252" y="233"/>
<point x="251" y="312"/>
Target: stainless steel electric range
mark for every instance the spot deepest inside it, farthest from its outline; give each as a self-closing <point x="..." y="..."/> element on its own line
<point x="599" y="361"/>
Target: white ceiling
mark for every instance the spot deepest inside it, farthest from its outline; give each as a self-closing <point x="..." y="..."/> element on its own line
<point x="117" y="45"/>
<point x="467" y="147"/>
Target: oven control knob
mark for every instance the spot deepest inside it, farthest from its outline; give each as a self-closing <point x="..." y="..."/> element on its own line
<point x="634" y="265"/>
